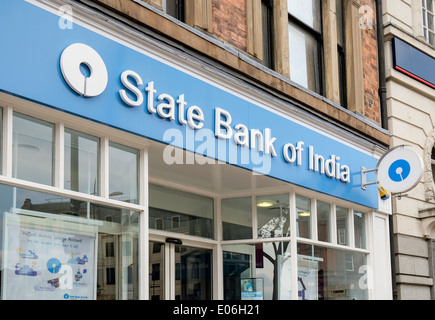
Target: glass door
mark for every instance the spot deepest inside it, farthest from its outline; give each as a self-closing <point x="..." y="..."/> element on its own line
<point x="179" y="272"/>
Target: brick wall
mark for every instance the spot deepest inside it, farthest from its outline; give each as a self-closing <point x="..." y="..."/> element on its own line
<point x="370" y="67"/>
<point x="229" y="21"/>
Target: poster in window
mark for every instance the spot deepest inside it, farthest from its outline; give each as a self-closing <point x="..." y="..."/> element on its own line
<point x="46" y="264"/>
<point x="251" y="289"/>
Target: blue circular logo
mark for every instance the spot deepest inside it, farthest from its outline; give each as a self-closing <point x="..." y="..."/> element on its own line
<point x="399" y="170"/>
<point x="53" y="265"/>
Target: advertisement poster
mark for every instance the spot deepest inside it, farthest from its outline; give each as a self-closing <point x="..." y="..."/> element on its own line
<point x="48" y="265"/>
<point x="308" y="269"/>
<point x="251" y="289"/>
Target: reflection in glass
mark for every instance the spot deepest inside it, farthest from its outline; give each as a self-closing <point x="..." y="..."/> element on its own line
<point x="98" y="244"/>
<point x="157" y="270"/>
<point x="33" y="149"/>
<point x="303" y="209"/>
<point x="81" y="162"/>
<point x="273" y="217"/>
<point x="342" y="217"/>
<point x="193" y="272"/>
<point x="331" y="274"/>
<point x="267" y="261"/>
<point x="359" y="229"/>
<point x="307" y="11"/>
<point x="323" y="218"/>
<point x="180" y="212"/>
<point x="123" y="173"/>
<point x="304" y="58"/>
<point x="237" y="218"/>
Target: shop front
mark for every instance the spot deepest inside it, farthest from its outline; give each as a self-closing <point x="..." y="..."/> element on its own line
<point x="130" y="171"/>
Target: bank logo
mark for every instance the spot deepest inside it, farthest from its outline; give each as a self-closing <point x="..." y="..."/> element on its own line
<point x="399" y="170"/>
<point x="84" y="70"/>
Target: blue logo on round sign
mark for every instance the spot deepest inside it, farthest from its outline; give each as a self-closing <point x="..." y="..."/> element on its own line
<point x="399" y="170"/>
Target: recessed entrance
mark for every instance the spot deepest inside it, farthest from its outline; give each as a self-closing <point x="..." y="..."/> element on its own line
<point x="179" y="272"/>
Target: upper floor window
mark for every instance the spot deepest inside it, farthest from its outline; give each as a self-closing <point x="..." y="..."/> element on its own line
<point x="267" y="30"/>
<point x="305" y="43"/>
<point x="341" y="53"/>
<point x="175" y="8"/>
<point x="428" y="20"/>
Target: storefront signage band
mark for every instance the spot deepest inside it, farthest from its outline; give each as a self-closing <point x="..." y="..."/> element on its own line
<point x="155" y="98"/>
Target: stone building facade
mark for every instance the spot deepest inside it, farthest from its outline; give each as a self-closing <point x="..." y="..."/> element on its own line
<point x="411" y="107"/>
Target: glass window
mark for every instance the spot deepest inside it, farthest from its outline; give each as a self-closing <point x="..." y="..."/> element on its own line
<point x="267" y="29"/>
<point x="342" y="217"/>
<point x="323" y="224"/>
<point x="305" y="34"/>
<point x="81" y="162"/>
<point x="331" y="274"/>
<point x="175" y="8"/>
<point x="123" y="173"/>
<point x="194" y="213"/>
<point x="303" y="218"/>
<point x="237" y="218"/>
<point x="341" y="53"/>
<point x="33" y="149"/>
<point x="273" y="217"/>
<point x="428" y="12"/>
<point x="307" y="11"/>
<point x="257" y="271"/>
<point x="359" y="229"/>
<point x="56" y="248"/>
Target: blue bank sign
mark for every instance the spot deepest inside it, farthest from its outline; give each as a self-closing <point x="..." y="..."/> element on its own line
<point x="84" y="73"/>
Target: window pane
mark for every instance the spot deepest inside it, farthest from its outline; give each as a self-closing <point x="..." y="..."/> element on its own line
<point x="257" y="271"/>
<point x="273" y="216"/>
<point x="57" y="248"/>
<point x="342" y="217"/>
<point x="323" y="218"/>
<point x="359" y="229"/>
<point x="33" y="149"/>
<point x="331" y="274"/>
<point x="81" y="162"/>
<point x="237" y="218"/>
<point x="303" y="209"/>
<point x="123" y="173"/>
<point x="194" y="213"/>
<point x="304" y="58"/>
<point x="307" y="11"/>
<point x="267" y="23"/>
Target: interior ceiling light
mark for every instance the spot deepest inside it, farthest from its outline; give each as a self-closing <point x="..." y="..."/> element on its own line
<point x="304" y="213"/>
<point x="265" y="203"/>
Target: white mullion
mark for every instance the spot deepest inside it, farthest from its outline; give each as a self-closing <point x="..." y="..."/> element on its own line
<point x="333" y="224"/>
<point x="59" y="159"/>
<point x="351" y="229"/>
<point x="254" y="218"/>
<point x="314" y="231"/>
<point x="7" y="141"/>
<point x="104" y="167"/>
<point x="293" y="246"/>
<point x="144" y="227"/>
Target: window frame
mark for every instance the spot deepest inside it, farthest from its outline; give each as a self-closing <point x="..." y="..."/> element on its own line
<point x="319" y="38"/>
<point x="428" y="31"/>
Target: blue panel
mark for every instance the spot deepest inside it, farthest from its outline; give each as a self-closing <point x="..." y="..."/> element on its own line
<point x="29" y="68"/>
<point x="413" y="62"/>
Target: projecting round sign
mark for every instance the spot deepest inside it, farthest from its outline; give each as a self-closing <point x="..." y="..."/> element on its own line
<point x="399" y="170"/>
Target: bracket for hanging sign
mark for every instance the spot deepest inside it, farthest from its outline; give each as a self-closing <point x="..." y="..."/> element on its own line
<point x="364" y="182"/>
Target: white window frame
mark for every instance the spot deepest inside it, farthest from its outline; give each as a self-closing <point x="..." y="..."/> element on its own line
<point x="428" y="31"/>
